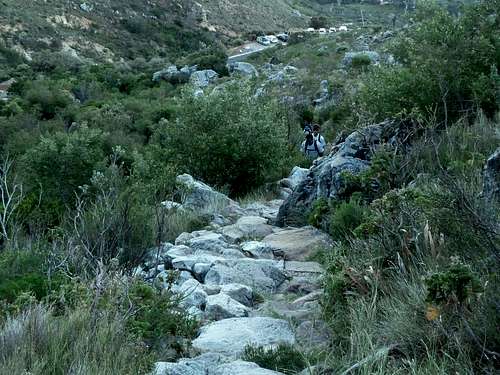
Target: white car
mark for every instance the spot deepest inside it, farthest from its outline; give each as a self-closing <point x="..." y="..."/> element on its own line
<point x="263" y="40"/>
<point x="332" y="30"/>
<point x="342" y="28"/>
<point x="310" y="30"/>
<point x="272" y="38"/>
<point x="322" y="31"/>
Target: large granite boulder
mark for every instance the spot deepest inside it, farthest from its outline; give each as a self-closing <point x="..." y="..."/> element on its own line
<point x="261" y="274"/>
<point x="230" y="336"/>
<point x="203" y="78"/>
<point x="491" y="182"/>
<point x="247" y="227"/>
<point x="243" y="69"/>
<point x="326" y="177"/>
<point x="210" y="364"/>
<point x="202" y="198"/>
<point x="173" y="75"/>
<point x="221" y="306"/>
<point x="243" y="368"/>
<point x="298" y="244"/>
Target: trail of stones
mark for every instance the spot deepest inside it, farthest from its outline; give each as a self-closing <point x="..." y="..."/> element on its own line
<point x="248" y="282"/>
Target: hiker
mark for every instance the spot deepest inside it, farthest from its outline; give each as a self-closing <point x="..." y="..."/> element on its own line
<point x="314" y="144"/>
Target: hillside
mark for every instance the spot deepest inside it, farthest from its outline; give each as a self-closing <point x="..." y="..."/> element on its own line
<point x="114" y="29"/>
<point x="328" y="205"/>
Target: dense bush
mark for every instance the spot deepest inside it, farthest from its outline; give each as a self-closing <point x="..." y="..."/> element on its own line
<point x="228" y="139"/>
<point x="449" y="66"/>
<point x="56" y="168"/>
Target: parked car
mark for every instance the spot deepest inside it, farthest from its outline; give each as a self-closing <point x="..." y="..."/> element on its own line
<point x="322" y="31"/>
<point x="310" y="30"/>
<point x="263" y="40"/>
<point x="272" y="38"/>
<point x="342" y="28"/>
<point x="332" y="30"/>
<point x="283" y="37"/>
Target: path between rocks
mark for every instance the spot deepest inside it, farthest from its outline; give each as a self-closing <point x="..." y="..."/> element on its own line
<point x="248" y="282"/>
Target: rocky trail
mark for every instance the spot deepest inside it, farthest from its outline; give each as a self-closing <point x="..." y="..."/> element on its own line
<point x="246" y="280"/>
<point x="247" y="277"/>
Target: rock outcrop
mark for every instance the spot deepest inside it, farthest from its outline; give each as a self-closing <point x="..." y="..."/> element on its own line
<point x="325" y="178"/>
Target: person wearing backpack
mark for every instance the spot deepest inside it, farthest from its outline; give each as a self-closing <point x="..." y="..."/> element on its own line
<point x="314" y="144"/>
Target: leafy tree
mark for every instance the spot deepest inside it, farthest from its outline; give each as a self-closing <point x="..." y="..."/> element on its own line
<point x="228" y="139"/>
<point x="449" y="66"/>
<point x="318" y="22"/>
<point x="59" y="164"/>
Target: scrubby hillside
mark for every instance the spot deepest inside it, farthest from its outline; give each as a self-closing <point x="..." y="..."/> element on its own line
<point x="156" y="213"/>
<point x="110" y="30"/>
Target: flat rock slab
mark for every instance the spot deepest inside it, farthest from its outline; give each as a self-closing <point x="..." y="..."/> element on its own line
<point x="230" y="336"/>
<point x="298" y="244"/>
<point x="243" y="368"/>
<point x="294" y="267"/>
<point x="210" y="364"/>
<point x="260" y="274"/>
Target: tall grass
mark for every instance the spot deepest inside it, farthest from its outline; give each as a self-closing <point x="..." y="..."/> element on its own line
<point x="377" y="299"/>
<point x="39" y="343"/>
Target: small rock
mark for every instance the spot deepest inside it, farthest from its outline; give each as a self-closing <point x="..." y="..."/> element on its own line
<point x="221" y="306"/>
<point x="239" y="292"/>
<point x="257" y="249"/>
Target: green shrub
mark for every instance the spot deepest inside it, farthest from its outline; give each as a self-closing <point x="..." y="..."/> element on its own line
<point x="454" y="286"/>
<point x="46" y="99"/>
<point x="448" y="65"/>
<point x="114" y="218"/>
<point x="26" y="271"/>
<point x="213" y="58"/>
<point x="38" y="342"/>
<point x="284" y="358"/>
<point x="56" y="168"/>
<point x="229" y="139"/>
<point x="157" y="316"/>
<point x="361" y="60"/>
<point x="346" y="217"/>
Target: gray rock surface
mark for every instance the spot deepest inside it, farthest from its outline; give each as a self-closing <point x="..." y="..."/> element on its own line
<point x="203" y="78"/>
<point x="243" y="368"/>
<point x="239" y="292"/>
<point x="243" y="68"/>
<point x="173" y="75"/>
<point x="202" y="198"/>
<point x="298" y="244"/>
<point x="221" y="306"/>
<point x="230" y="336"/>
<point x="257" y="249"/>
<point x="261" y="275"/>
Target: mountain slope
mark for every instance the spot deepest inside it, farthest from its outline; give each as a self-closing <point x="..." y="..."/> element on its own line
<point x="115" y="29"/>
